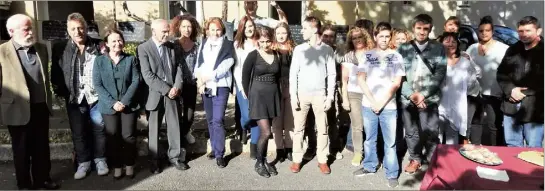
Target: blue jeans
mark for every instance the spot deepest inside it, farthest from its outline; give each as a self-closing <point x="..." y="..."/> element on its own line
<point x="349" y="138"/>
<point x="388" y="122"/>
<point x="245" y="121"/>
<point x="96" y="116"/>
<point x="515" y="133"/>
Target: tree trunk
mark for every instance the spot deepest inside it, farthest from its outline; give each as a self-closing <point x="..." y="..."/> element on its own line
<point x="224" y="10"/>
<point x="202" y="11"/>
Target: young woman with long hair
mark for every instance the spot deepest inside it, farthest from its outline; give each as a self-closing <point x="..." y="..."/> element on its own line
<point x="283" y="125"/>
<point x="357" y="42"/>
<point x="245" y="42"/>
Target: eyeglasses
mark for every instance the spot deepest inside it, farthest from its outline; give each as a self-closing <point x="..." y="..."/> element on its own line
<point x="267" y="41"/>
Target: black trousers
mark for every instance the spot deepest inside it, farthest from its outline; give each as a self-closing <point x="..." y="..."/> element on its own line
<point x="89" y="140"/>
<point x="120" y="138"/>
<point x="30" y="144"/>
<point x="492" y="119"/>
<point x="189" y="101"/>
<point x="474" y="118"/>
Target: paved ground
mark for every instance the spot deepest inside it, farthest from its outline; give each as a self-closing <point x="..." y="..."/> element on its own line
<point x="238" y="175"/>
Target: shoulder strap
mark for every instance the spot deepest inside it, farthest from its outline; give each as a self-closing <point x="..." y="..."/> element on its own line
<point x="425" y="60"/>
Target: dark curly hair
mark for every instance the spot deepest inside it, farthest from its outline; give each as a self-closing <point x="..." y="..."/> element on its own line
<point x="454" y="36"/>
<point x="177" y="21"/>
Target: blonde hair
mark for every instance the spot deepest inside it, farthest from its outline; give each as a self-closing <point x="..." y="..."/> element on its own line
<point x="367" y="39"/>
<point x="289" y="39"/>
<point x="408" y="35"/>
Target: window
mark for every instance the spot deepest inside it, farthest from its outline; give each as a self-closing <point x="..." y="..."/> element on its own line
<point x="175" y="7"/>
<point x="407" y="2"/>
<point x="463" y="4"/>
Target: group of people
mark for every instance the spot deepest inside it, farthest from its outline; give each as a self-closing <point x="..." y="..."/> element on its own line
<point x="382" y="79"/>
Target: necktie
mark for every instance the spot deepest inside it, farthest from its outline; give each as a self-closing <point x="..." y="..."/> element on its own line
<point x="164" y="60"/>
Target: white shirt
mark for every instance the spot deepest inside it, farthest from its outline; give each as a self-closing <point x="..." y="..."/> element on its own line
<point x="453" y="104"/>
<point x="489" y="66"/>
<point x="210" y="53"/>
<point x="352" y="69"/>
<point x="421" y="46"/>
<point x="86" y="78"/>
<point x="381" y="68"/>
<point x="241" y="57"/>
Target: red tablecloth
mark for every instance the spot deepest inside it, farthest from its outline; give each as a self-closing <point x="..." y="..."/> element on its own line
<point x="449" y="170"/>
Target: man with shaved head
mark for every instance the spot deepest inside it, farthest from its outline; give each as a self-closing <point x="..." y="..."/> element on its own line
<point x="25" y="110"/>
<point x="163" y="75"/>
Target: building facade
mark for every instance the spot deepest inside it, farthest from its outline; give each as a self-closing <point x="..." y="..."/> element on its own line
<point x="399" y="13"/>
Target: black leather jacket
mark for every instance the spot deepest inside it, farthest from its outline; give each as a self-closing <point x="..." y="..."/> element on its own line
<point x="63" y="59"/>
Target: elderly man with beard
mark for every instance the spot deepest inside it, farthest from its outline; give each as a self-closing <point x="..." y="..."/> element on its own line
<point x="24" y="108"/>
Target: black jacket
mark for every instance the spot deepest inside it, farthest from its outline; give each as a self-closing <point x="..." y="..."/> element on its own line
<point x="523" y="68"/>
<point x="63" y="58"/>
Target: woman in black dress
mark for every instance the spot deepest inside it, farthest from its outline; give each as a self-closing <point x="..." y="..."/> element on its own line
<point x="260" y="79"/>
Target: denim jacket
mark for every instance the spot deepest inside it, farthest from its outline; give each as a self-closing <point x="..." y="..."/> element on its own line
<point x="431" y="84"/>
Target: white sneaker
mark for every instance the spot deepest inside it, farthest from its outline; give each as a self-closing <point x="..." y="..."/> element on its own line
<point x="190" y="138"/>
<point x="83" y="169"/>
<point x="101" y="167"/>
<point x="339" y="156"/>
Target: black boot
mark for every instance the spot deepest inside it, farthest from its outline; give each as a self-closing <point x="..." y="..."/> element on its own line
<point x="261" y="169"/>
<point x="253" y="151"/>
<point x="288" y="153"/>
<point x="271" y="169"/>
<point x="280" y="155"/>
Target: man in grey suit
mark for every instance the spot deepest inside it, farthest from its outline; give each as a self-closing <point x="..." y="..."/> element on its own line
<point x="163" y="76"/>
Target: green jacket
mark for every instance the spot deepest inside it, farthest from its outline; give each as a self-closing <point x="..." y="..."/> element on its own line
<point x="431" y="90"/>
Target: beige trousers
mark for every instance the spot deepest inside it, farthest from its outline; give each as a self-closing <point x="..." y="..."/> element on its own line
<point x="300" y="116"/>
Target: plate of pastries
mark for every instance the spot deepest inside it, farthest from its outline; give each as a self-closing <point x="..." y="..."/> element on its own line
<point x="480" y="155"/>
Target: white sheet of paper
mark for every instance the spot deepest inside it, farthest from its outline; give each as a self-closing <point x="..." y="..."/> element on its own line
<point x="492" y="174"/>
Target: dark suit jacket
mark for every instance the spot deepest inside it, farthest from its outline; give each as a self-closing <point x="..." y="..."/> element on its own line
<point x="14" y="96"/>
<point x="150" y="61"/>
<point x="105" y="85"/>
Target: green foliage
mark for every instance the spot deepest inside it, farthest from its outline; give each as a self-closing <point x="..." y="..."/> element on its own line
<point x="130" y="48"/>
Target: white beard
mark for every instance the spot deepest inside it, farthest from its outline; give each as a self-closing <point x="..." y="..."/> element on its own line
<point x="26" y="42"/>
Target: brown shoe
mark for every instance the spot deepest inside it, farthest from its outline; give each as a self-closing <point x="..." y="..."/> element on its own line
<point x="295" y="167"/>
<point x="412" y="167"/>
<point x="324" y="168"/>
